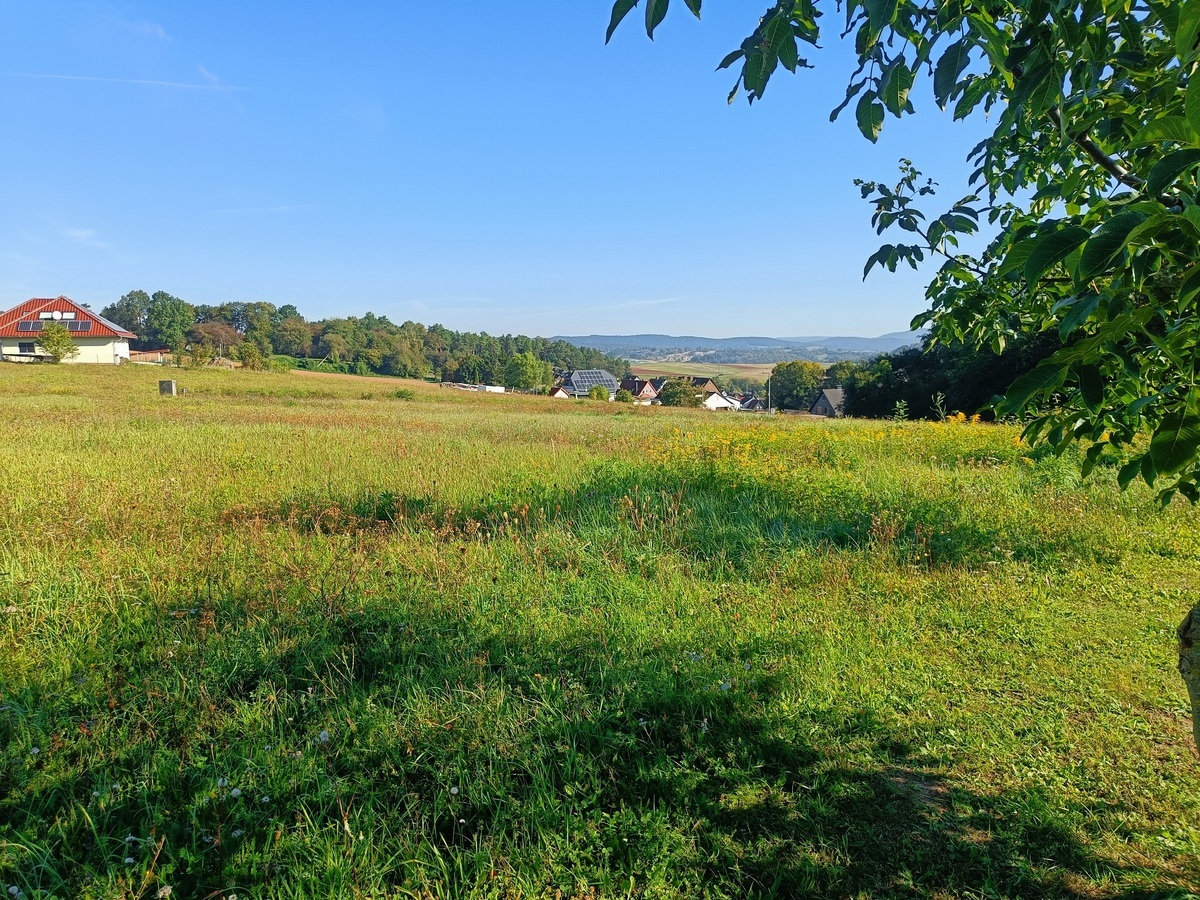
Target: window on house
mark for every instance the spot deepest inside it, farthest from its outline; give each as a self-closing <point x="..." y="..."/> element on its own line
<point x="25" y="347"/>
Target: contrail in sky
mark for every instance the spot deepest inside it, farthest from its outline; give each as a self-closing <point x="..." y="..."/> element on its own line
<point x="169" y="84"/>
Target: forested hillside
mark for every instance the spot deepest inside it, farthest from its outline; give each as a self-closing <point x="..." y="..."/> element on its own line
<point x="367" y="344"/>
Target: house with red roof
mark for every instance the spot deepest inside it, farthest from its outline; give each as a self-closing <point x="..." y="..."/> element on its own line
<point x="98" y="340"/>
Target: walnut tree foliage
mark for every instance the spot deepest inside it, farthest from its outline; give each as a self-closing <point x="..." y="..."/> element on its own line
<point x="1088" y="180"/>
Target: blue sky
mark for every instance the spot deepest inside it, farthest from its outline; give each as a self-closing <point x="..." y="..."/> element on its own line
<point x="491" y="168"/>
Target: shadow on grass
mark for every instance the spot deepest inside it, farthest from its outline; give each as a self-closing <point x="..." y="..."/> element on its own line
<point x="586" y="759"/>
<point x="694" y="773"/>
<point x="706" y="514"/>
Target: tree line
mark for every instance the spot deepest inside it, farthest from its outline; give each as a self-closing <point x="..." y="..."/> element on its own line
<point x="364" y="345"/>
<point x="923" y="382"/>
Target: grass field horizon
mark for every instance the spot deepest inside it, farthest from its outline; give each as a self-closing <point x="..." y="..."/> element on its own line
<point x="294" y="636"/>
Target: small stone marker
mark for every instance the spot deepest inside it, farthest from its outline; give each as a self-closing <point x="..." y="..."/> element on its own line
<point x="166" y="388"/>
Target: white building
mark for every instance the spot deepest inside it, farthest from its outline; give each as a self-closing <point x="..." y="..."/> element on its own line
<point x="98" y="340"/>
<point x="720" y="401"/>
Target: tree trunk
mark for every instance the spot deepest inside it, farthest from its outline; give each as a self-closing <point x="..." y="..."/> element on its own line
<point x="1189" y="664"/>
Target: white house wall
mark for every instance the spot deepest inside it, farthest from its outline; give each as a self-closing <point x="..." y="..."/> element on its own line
<point x="91" y="350"/>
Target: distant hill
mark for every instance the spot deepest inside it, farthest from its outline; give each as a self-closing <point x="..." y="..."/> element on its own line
<point x="692" y="348"/>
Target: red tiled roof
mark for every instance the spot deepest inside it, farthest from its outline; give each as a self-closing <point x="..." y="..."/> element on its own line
<point x="30" y="310"/>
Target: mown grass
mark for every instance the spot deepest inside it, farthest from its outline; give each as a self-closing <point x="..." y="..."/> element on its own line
<point x="294" y="636"/>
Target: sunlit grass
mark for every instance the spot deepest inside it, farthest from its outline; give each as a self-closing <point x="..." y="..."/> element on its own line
<point x="294" y="636"/>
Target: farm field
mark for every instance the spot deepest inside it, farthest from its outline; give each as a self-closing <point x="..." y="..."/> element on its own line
<point x="759" y="371"/>
<point x="292" y="636"/>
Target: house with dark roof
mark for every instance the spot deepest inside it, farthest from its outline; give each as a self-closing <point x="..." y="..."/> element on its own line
<point x="828" y="403"/>
<point x="640" y="388"/>
<point x="704" y="386"/>
<point x="753" y="404"/>
<point x="98" y="340"/>
<point x="579" y="382"/>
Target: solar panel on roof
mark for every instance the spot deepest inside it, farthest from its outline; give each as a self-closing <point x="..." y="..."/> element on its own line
<point x="29" y="326"/>
<point x="79" y="326"/>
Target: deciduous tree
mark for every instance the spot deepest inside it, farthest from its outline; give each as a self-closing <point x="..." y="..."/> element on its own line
<point x="56" y="342"/>
<point x="130" y="313"/>
<point x="679" y="392"/>
<point x="168" y="320"/>
<point x="794" y="385"/>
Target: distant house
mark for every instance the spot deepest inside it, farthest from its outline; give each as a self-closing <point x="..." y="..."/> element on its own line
<point x="828" y="403"/>
<point x="753" y="404"/>
<point x="579" y="382"/>
<point x="558" y="393"/>
<point x="98" y="340"/>
<point x="639" y="387"/>
<point x="719" y="401"/>
<point x="704" y="386"/>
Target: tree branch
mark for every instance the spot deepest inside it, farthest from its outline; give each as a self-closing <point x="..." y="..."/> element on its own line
<point x="1107" y="163"/>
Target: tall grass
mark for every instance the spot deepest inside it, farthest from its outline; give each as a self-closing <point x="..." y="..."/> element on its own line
<point x="293" y="636"/>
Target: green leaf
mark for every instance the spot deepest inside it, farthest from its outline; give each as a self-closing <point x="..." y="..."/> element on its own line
<point x="1192" y="103"/>
<point x="1149" y="473"/>
<point x="1091" y="385"/>
<point x="851" y="91"/>
<point x="1053" y="249"/>
<point x="781" y="38"/>
<point x="1188" y="31"/>
<point x="1190" y="286"/>
<point x="895" y="91"/>
<point x="694" y="6"/>
<point x="1048" y="375"/>
<point x="1176" y="440"/>
<point x="952" y="64"/>
<point x="1168" y="128"/>
<point x="972" y="94"/>
<point x="1171" y="166"/>
<point x="619" y="11"/>
<point x="789" y="54"/>
<point x="757" y="71"/>
<point x="1106" y="243"/>
<point x="870" y="116"/>
<point x="1091" y="458"/>
<point x="656" y="11"/>
<point x="1128" y="472"/>
<point x="1080" y="311"/>
<point x="1014" y="259"/>
<point x="731" y="59"/>
<point x="880" y="14"/>
<point x="778" y="29"/>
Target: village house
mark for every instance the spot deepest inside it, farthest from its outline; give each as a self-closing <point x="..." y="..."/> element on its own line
<point x="704" y="386"/>
<point x="828" y="403"/>
<point x="642" y="390"/>
<point x="753" y="404"/>
<point x="579" y="382"/>
<point x="719" y="401"/>
<point x="98" y="340"/>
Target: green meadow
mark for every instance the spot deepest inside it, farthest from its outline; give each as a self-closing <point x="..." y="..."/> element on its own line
<point x="294" y="636"/>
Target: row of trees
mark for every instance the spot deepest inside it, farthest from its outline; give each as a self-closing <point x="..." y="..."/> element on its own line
<point x="926" y="381"/>
<point x="367" y="344"/>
